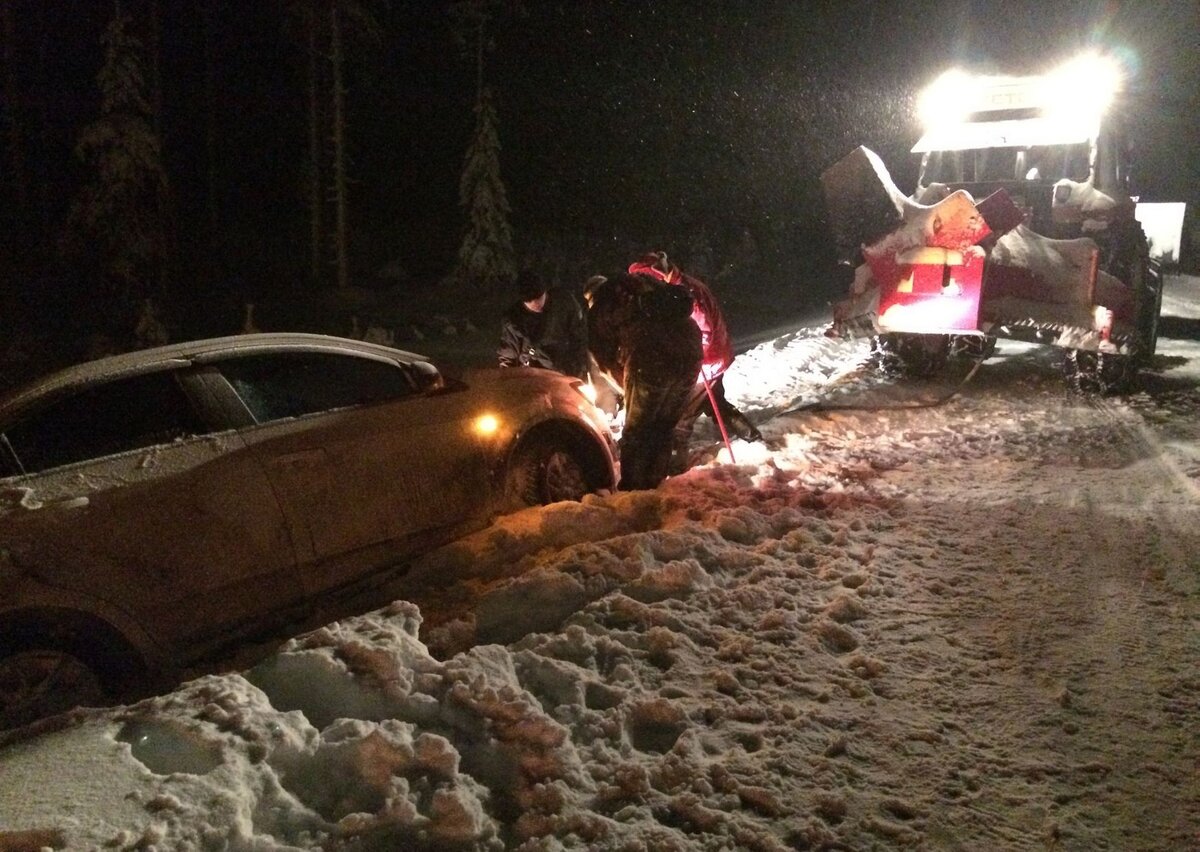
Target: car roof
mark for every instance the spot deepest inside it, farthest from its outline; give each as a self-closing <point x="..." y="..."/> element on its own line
<point x="178" y="355"/>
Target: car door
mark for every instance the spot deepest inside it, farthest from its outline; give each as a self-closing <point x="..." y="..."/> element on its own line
<point x="133" y="496"/>
<point x="356" y="451"/>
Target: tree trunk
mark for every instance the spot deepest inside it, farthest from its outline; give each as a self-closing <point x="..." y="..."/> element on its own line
<point x="42" y="192"/>
<point x="156" y="96"/>
<point x="16" y="149"/>
<point x="212" y="205"/>
<point x="316" y="202"/>
<point x="479" y="41"/>
<point x="339" y="149"/>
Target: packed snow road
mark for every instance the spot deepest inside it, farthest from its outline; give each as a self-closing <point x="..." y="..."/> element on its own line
<point x="970" y="625"/>
<point x="988" y="638"/>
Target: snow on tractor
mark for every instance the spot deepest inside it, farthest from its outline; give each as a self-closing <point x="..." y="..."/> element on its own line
<point x="1021" y="226"/>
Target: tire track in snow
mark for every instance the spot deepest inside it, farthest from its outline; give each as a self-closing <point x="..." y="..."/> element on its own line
<point x="1078" y="709"/>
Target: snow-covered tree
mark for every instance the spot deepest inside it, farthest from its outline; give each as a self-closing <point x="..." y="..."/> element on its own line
<point x="118" y="224"/>
<point x="485" y="257"/>
<point x="486" y="254"/>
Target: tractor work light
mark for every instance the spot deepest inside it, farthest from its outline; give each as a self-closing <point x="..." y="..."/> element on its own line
<point x="960" y="111"/>
<point x="1081" y="90"/>
<point x="947" y="100"/>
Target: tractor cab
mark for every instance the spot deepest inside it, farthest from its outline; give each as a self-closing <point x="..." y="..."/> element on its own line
<point x="1049" y="141"/>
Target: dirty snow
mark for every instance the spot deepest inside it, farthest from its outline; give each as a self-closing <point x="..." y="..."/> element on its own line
<point x="916" y="618"/>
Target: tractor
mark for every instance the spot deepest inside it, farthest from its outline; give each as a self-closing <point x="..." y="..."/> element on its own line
<point x="1021" y="226"/>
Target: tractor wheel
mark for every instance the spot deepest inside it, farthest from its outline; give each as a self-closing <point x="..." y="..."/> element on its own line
<point x="973" y="346"/>
<point x="1097" y="373"/>
<point x="914" y="356"/>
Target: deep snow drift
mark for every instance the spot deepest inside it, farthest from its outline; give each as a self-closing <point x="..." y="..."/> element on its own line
<point x="966" y="625"/>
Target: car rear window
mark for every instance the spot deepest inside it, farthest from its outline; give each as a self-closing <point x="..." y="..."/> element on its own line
<point x="294" y="384"/>
<point x="125" y="414"/>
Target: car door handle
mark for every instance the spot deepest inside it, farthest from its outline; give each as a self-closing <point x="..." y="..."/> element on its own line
<point x="59" y="505"/>
<point x="25" y="498"/>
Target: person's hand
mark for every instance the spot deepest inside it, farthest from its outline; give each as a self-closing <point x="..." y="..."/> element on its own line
<point x="711" y="369"/>
<point x="616" y="422"/>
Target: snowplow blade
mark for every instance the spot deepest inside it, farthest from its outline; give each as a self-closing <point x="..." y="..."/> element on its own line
<point x="862" y="202"/>
<point x="925" y="270"/>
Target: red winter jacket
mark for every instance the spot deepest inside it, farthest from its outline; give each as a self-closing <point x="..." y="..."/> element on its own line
<point x="714" y="334"/>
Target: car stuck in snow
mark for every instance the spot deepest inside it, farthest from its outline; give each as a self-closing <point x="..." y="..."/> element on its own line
<point x="157" y="505"/>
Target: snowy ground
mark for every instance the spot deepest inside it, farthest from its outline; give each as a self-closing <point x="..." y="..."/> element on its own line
<point x="965" y="626"/>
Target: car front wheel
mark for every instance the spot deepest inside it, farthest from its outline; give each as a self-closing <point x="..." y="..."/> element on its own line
<point x="42" y="682"/>
<point x="546" y="471"/>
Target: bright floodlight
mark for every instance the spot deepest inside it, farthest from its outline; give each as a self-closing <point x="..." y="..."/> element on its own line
<point x="946" y="100"/>
<point x="1082" y="89"/>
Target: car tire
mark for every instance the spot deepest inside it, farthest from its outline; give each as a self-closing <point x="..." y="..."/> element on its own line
<point x="40" y="682"/>
<point x="544" y="471"/>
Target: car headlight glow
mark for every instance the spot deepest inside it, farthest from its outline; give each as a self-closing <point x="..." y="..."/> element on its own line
<point x="487" y="425"/>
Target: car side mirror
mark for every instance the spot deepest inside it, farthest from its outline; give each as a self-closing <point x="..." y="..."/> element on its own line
<point x="426" y="376"/>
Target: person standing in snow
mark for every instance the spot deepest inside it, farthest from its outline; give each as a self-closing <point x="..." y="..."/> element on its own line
<point x="718" y="355"/>
<point x="641" y="334"/>
<point x="546" y="328"/>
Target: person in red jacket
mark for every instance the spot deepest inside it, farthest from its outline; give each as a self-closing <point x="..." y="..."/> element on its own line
<point x="718" y="355"/>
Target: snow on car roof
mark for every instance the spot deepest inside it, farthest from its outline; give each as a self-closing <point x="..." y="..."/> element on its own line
<point x="193" y="352"/>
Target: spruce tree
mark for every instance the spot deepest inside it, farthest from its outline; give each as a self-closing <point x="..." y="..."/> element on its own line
<point x="118" y="224"/>
<point x="485" y="258"/>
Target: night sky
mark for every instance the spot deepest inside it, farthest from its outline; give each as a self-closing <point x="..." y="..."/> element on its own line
<point x="623" y="123"/>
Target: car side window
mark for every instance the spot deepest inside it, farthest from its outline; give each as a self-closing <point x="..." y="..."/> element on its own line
<point x="121" y="415"/>
<point x="294" y="384"/>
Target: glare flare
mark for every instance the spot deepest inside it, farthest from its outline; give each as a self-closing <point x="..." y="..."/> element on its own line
<point x="487" y="424"/>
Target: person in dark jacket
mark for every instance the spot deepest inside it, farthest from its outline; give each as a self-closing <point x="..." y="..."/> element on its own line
<point x="641" y="334"/>
<point x="718" y="355"/>
<point x="545" y="327"/>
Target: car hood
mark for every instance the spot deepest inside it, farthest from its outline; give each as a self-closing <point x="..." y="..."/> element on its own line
<point x="511" y="387"/>
<point x="523" y="376"/>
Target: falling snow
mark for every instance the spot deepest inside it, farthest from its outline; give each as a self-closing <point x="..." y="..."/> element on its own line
<point x="942" y="615"/>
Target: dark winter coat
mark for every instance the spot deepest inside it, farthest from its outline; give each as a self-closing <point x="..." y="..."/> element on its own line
<point x="706" y="312"/>
<point x="554" y="338"/>
<point x="641" y="333"/>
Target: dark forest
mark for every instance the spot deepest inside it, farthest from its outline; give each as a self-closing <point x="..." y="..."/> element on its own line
<point x="696" y="127"/>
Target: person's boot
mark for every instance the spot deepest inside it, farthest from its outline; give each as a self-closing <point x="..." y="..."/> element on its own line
<point x="680" y="461"/>
<point x="742" y="427"/>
